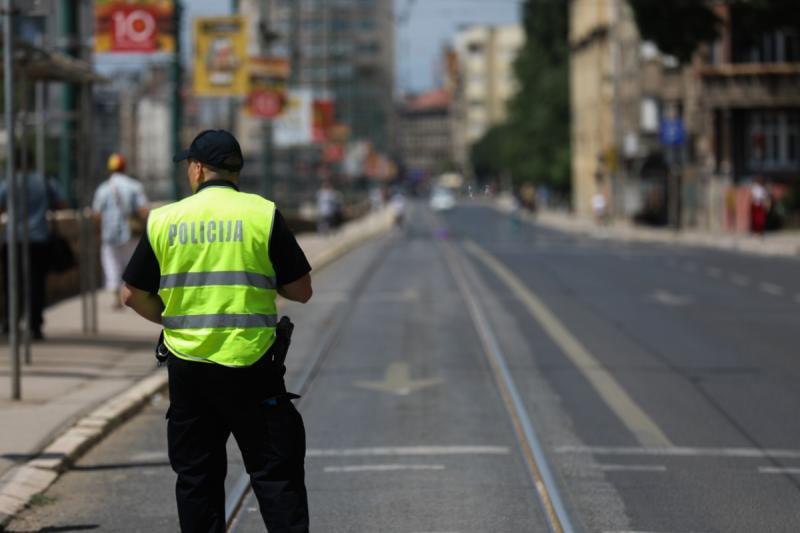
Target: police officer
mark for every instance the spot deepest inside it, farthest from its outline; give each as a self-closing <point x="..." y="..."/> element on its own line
<point x="209" y="269"/>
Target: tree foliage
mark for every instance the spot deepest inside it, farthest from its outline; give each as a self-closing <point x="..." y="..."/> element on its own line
<point x="532" y="145"/>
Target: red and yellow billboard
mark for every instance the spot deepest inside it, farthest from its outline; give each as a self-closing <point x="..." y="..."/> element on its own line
<point x="220" y="56"/>
<point x="268" y="77"/>
<point x="142" y="26"/>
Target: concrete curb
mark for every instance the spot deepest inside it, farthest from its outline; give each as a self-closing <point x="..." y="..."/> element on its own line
<point x="770" y="246"/>
<point x="21" y="484"/>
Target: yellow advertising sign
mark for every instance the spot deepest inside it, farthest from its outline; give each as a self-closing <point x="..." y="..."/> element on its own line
<point x="139" y="26"/>
<point x="220" y="56"/>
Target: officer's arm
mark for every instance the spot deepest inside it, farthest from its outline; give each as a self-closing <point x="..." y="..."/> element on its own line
<point x="297" y="291"/>
<point x="145" y="304"/>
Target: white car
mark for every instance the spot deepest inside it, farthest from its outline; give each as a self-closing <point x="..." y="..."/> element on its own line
<point x="442" y="199"/>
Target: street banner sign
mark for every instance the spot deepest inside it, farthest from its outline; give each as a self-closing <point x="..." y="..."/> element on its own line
<point x="267" y="86"/>
<point x="324" y="119"/>
<point x="139" y="26"/>
<point x="220" y="53"/>
<point x="295" y="127"/>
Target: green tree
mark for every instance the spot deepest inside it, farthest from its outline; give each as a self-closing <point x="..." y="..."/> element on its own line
<point x="533" y="143"/>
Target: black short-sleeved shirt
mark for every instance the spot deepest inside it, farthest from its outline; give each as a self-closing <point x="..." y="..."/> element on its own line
<point x="288" y="259"/>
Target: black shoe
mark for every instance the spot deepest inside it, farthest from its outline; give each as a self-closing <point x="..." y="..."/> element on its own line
<point x="37" y="335"/>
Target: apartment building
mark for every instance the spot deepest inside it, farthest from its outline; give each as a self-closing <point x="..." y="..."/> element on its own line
<point x="424" y="133"/>
<point x="485" y="63"/>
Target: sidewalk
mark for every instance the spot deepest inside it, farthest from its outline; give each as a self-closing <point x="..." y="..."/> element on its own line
<point x="778" y="244"/>
<point x="79" y="387"/>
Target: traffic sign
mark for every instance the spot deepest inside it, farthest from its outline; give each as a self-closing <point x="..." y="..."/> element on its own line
<point x="672" y="132"/>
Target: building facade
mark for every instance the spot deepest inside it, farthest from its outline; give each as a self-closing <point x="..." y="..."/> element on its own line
<point x="485" y="63"/>
<point x="424" y="134"/>
<point x="735" y="111"/>
<point x="622" y="91"/>
<point x="751" y="104"/>
<point x="342" y="49"/>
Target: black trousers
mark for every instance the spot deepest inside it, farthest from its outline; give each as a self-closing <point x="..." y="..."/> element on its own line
<point x="208" y="402"/>
<point x="37" y="278"/>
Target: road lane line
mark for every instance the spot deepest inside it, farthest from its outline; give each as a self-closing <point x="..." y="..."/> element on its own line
<point x="627" y="410"/>
<point x="779" y="470"/>
<point x="740" y="280"/>
<point x="380" y="468"/>
<point x="771" y="288"/>
<point x="682" y="451"/>
<point x="409" y="450"/>
<point x="632" y="468"/>
<point x="547" y="492"/>
<point x="642" y="531"/>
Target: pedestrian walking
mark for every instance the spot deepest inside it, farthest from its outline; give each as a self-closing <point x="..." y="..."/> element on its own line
<point x="121" y="205"/>
<point x="759" y="205"/>
<point x="329" y="207"/>
<point x="43" y="196"/>
<point x="209" y="269"/>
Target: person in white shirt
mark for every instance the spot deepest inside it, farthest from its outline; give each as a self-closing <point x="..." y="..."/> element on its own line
<point x="121" y="205"/>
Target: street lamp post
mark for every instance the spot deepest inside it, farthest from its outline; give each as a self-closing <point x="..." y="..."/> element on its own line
<point x="11" y="198"/>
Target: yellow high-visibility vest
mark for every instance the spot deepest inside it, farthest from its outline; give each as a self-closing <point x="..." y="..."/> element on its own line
<point x="217" y="281"/>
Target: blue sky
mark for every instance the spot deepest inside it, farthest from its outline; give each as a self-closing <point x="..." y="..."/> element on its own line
<point x="418" y="42"/>
<point x="431" y="26"/>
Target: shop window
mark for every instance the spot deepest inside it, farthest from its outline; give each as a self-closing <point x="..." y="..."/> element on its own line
<point x="773" y="139"/>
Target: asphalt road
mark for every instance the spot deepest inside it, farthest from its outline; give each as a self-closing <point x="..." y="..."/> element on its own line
<point x="661" y="381"/>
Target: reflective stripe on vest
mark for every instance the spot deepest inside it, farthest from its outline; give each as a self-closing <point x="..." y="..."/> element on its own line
<point x="197" y="279"/>
<point x="217" y="281"/>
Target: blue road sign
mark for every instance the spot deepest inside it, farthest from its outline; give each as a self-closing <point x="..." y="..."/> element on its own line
<point x="672" y="132"/>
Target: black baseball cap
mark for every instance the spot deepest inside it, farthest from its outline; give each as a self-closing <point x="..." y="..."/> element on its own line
<point x="215" y="148"/>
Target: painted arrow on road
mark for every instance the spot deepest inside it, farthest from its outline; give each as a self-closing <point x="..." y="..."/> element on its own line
<point x="667" y="298"/>
<point x="397" y="380"/>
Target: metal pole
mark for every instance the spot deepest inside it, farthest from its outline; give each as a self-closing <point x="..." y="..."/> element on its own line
<point x="26" y="236"/>
<point x="232" y="100"/>
<point x="11" y="227"/>
<point x="84" y="263"/>
<point x="68" y="13"/>
<point x="177" y="103"/>
<point x="266" y="127"/>
<point x="91" y="244"/>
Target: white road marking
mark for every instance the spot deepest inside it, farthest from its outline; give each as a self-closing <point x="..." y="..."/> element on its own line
<point x="713" y="272"/>
<point x="740" y="280"/>
<point x="771" y="288"/>
<point x="632" y="468"/>
<point x="665" y="297"/>
<point x="410" y="450"/>
<point x="148" y="456"/>
<point x="641" y="531"/>
<point x="397" y="380"/>
<point x="627" y="410"/>
<point x="683" y="451"/>
<point x="778" y="470"/>
<point x="380" y="468"/>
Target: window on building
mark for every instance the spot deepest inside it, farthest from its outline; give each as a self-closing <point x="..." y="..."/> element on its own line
<point x="648" y="115"/>
<point x="773" y="139"/>
<point x="475" y="48"/>
<point x="782" y="46"/>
